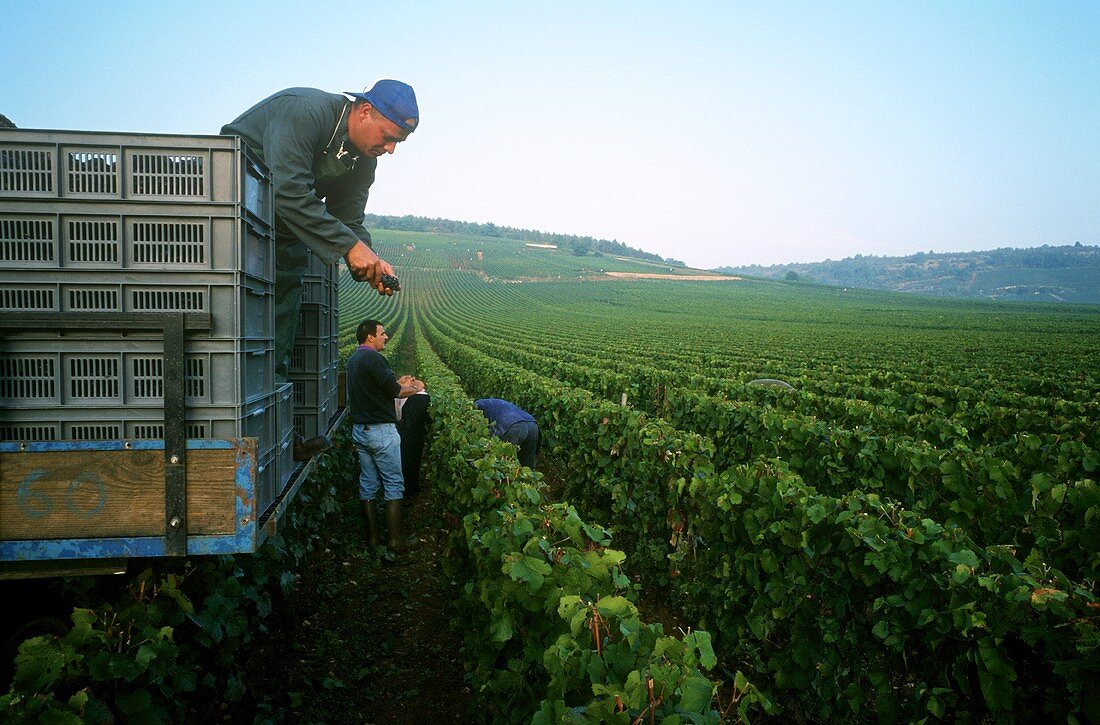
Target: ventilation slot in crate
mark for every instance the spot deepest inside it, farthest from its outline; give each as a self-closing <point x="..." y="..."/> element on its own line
<point x="168" y="300"/>
<point x="147" y="431"/>
<point x="195" y="380"/>
<point x="93" y="172"/>
<point x="26" y="240"/>
<point x="94" y="432"/>
<point x="26" y="169"/>
<point x="93" y="377"/>
<point x="297" y="359"/>
<point x="27" y="378"/>
<point x="15" y="433"/>
<point x="148" y="376"/>
<point x="160" y="174"/>
<point x="93" y="299"/>
<point x="17" y="299"/>
<point x="160" y="242"/>
<point x="155" y="431"/>
<point x="93" y="240"/>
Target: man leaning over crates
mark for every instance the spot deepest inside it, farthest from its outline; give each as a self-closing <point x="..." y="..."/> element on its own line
<point x="322" y="150"/>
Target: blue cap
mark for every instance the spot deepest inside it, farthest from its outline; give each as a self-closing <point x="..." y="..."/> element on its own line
<point x="394" y="100"/>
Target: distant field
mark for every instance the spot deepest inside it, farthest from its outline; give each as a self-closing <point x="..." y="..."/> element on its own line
<point x="931" y="474"/>
<point x="509" y="259"/>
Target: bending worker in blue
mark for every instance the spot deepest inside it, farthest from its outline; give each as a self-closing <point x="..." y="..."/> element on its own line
<point x="322" y="150"/>
<point x="372" y="387"/>
<point x="514" y="425"/>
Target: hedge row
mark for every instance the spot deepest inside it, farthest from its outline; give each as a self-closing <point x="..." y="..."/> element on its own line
<point x="552" y="630"/>
<point x="847" y="605"/>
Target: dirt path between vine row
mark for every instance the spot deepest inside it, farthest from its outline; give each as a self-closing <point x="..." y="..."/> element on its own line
<point x="365" y="638"/>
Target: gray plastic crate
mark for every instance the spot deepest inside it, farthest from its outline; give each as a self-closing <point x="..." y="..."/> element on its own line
<point x="334" y="283"/>
<point x="241" y="306"/>
<point x="285" y="464"/>
<point x="302" y="425"/>
<point x="333" y="389"/>
<point x="314" y="321"/>
<point x="284" y="409"/>
<point x="311" y="356"/>
<point x="57" y="164"/>
<point x="317" y="290"/>
<point x="316" y="267"/>
<point x="310" y="391"/>
<point x="256" y="420"/>
<point x="284" y="420"/>
<point x="314" y="421"/>
<point x="331" y="407"/>
<point x="142" y="237"/>
<point x="128" y="372"/>
<point x="267" y="479"/>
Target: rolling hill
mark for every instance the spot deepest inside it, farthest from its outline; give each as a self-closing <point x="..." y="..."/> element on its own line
<point x="1040" y="274"/>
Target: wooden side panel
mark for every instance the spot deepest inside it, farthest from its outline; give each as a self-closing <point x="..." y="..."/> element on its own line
<point x="111" y="493"/>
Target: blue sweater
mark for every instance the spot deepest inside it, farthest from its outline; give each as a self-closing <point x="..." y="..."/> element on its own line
<point x="372" y="386"/>
<point x="501" y="413"/>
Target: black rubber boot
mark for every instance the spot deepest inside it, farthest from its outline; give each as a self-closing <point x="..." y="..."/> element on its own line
<point x="370" y="509"/>
<point x="306" y="448"/>
<point x="395" y="515"/>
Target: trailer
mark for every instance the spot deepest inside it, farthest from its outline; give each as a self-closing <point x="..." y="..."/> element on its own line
<point x="140" y="415"/>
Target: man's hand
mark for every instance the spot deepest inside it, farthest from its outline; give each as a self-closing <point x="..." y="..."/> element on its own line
<point x="366" y="266"/>
<point x="414" y="382"/>
<point x="410" y="385"/>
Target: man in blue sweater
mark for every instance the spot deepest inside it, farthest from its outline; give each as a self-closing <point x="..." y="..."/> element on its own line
<point x="372" y="387"/>
<point x="514" y="425"/>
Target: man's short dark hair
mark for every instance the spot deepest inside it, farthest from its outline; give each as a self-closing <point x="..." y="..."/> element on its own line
<point x="366" y="327"/>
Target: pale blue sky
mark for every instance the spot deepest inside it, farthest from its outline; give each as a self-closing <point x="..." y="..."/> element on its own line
<point x="713" y="132"/>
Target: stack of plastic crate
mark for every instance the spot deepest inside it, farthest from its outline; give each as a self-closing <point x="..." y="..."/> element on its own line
<point x="334" y="342"/>
<point x="335" y="394"/>
<point x="313" y="361"/>
<point x="110" y="222"/>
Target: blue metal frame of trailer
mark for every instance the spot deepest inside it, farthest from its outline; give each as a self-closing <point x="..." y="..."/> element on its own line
<point x="252" y="527"/>
<point x="247" y="537"/>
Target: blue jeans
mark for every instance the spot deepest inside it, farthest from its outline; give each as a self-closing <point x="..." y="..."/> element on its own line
<point x="523" y="434"/>
<point x="379" y="447"/>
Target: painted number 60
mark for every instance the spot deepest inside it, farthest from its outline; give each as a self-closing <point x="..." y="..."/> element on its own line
<point x="38" y="504"/>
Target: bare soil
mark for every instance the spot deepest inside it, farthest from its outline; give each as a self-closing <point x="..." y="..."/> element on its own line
<point x="367" y="636"/>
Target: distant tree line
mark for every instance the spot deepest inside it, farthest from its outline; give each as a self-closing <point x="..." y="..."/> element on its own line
<point x="579" y="246"/>
<point x="931" y="263"/>
<point x="1021" y="272"/>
